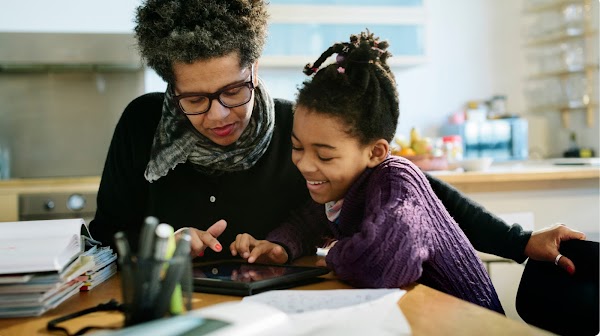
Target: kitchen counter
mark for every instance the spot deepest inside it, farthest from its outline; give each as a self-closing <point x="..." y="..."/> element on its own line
<point x="523" y="176"/>
<point x="527" y="175"/>
<point x="56" y="184"/>
<point x="527" y="171"/>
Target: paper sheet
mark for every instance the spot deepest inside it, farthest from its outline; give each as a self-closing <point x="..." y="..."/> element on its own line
<point x="339" y="312"/>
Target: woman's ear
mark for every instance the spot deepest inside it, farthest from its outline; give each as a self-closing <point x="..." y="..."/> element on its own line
<point x="255" y="78"/>
<point x="379" y="151"/>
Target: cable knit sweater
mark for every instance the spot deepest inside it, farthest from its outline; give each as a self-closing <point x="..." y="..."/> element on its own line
<point x="393" y="231"/>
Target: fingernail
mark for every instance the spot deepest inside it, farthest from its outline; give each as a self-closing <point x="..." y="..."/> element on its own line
<point x="246" y="255"/>
<point x="570" y="270"/>
<point x="201" y="254"/>
<point x="218" y="247"/>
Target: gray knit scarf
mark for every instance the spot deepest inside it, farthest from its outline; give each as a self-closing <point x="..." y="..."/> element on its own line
<point x="177" y="141"/>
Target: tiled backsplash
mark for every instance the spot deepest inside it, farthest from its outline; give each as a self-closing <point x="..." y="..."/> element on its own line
<point x="61" y="123"/>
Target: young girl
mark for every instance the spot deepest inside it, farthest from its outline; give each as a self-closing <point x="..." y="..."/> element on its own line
<point x="390" y="228"/>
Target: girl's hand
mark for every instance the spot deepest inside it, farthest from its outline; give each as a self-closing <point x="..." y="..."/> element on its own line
<point x="258" y="250"/>
<point x="203" y="239"/>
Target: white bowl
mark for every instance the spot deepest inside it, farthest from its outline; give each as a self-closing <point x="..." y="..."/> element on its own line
<point x="476" y="164"/>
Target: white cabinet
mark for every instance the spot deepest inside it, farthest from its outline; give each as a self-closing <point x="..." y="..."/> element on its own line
<point x="107" y="16"/>
<point x="300" y="30"/>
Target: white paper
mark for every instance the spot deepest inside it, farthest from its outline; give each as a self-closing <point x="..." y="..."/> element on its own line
<point x="300" y="301"/>
<point x="338" y="312"/>
<point x="39" y="246"/>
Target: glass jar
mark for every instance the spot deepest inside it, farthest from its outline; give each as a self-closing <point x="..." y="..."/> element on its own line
<point x="453" y="149"/>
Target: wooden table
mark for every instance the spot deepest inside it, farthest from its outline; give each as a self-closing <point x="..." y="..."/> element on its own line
<point x="428" y="311"/>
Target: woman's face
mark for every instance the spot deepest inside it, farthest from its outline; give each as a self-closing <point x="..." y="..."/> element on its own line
<point x="222" y="125"/>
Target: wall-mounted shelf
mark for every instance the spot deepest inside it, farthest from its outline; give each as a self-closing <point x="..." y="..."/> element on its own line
<point x="561" y="38"/>
<point x="549" y="6"/>
<point x="562" y="44"/>
<point x="563" y="73"/>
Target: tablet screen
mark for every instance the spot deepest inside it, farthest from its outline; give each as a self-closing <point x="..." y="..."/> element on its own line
<point x="243" y="272"/>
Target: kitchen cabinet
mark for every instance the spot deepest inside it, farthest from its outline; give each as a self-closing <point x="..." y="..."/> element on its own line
<point x="300" y="30"/>
<point x="562" y="57"/>
<point x="12" y="189"/>
<point x="9" y="207"/>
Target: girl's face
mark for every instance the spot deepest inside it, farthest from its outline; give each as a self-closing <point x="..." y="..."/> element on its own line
<point x="329" y="159"/>
<point x="222" y="125"/>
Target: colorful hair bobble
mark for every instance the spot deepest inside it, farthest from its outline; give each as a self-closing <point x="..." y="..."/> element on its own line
<point x="309" y="69"/>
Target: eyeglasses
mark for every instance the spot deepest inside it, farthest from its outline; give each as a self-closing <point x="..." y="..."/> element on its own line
<point x="232" y="96"/>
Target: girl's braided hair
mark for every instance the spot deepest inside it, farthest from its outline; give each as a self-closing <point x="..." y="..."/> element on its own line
<point x="359" y="88"/>
<point x="170" y="31"/>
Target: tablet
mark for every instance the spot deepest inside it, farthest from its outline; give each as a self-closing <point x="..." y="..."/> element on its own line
<point x="242" y="279"/>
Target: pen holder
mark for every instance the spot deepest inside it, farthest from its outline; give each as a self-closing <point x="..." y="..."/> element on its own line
<point x="153" y="288"/>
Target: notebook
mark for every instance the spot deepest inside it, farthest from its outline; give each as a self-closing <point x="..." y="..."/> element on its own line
<point x="243" y="279"/>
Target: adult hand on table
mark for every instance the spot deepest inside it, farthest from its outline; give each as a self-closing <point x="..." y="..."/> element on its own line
<point x="544" y="244"/>
<point x="203" y="239"/>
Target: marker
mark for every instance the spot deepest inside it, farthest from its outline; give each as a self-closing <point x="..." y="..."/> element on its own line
<point x="163" y="247"/>
<point x="146" y="237"/>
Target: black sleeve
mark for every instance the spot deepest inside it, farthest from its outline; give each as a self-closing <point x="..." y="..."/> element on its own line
<point x="123" y="193"/>
<point x="485" y="231"/>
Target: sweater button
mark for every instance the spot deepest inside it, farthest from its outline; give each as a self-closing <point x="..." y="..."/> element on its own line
<point x="212" y="199"/>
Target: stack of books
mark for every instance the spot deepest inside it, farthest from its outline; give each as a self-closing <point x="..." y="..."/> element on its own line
<point x="43" y="263"/>
<point x="105" y="266"/>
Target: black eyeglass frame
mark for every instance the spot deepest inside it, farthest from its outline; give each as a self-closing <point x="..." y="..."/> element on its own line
<point x="216" y="95"/>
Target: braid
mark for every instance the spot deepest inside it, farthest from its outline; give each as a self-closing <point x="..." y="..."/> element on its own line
<point x="341" y="49"/>
<point x="359" y="88"/>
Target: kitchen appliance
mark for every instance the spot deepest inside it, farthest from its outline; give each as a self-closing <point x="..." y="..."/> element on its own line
<point x="500" y="139"/>
<point x="44" y="206"/>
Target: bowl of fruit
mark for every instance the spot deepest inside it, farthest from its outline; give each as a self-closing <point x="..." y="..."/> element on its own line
<point x="420" y="151"/>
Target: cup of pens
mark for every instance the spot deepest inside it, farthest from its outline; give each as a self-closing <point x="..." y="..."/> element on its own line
<point x="156" y="282"/>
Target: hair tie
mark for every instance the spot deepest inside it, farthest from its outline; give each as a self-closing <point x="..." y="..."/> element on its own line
<point x="309" y="69"/>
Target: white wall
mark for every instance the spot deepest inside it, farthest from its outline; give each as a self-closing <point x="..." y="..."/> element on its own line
<point x="106" y="16"/>
<point x="475" y="52"/>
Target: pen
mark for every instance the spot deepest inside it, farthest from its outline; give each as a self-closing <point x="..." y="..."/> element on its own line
<point x="163" y="233"/>
<point x="124" y="252"/>
<point x="146" y="237"/>
<point x="182" y="252"/>
<point x="122" y="246"/>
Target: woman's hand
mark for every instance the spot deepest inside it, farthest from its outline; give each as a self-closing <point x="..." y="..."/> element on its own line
<point x="203" y="239"/>
<point x="262" y="250"/>
<point x="544" y="244"/>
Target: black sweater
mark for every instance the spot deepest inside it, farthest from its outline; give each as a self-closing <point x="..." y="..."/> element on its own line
<point x="254" y="201"/>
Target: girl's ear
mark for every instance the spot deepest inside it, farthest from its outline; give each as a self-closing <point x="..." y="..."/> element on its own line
<point x="379" y="151"/>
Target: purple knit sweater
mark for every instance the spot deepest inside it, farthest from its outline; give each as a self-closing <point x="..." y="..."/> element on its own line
<point x="393" y="231"/>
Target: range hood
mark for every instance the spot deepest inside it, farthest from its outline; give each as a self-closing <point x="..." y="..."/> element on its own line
<point x="32" y="52"/>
